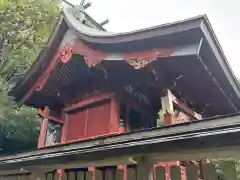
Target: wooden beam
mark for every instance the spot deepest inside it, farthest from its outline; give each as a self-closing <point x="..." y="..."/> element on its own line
<point x="89" y="100"/>
<point x="46" y="116"/>
<point x="184" y="108"/>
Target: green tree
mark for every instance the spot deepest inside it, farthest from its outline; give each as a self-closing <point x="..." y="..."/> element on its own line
<point x="25" y="27"/>
<point x="234" y="160"/>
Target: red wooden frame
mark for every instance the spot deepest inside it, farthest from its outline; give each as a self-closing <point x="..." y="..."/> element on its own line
<point x="84" y="102"/>
<point x="92" y="58"/>
<point x="114" y="115"/>
<point x="95" y="98"/>
<point x="186" y="109"/>
<point x="46" y="116"/>
<point x="39" y="84"/>
<point x="64" y="129"/>
<point x="43" y="129"/>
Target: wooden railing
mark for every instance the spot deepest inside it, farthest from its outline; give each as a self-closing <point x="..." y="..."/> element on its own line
<point x="131" y="173"/>
<point x="206" y="139"/>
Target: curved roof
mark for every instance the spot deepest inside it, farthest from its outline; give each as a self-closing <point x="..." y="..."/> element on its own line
<point x="178" y="34"/>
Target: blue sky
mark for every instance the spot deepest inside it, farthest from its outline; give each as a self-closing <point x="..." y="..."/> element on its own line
<point x="126" y="15"/>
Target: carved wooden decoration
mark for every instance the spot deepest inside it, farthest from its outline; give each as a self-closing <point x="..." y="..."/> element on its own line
<point x="139" y="60"/>
<point x="66" y="54"/>
<point x="91" y="57"/>
<point x="138" y="63"/>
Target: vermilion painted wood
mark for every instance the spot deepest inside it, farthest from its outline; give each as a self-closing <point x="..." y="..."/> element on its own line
<point x="39" y="84"/>
<point x="130" y="173"/>
<point x="99" y="118"/>
<point x="89" y="138"/>
<point x="43" y="129"/>
<point x="60" y="121"/>
<point x="64" y="129"/>
<point x="76" y="128"/>
<point x="114" y="116"/>
<point x="46" y="116"/>
<point x="89" y="100"/>
<point x="96" y="116"/>
<point x="92" y="58"/>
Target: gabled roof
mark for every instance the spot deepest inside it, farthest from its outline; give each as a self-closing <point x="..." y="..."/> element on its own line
<point x="178" y="35"/>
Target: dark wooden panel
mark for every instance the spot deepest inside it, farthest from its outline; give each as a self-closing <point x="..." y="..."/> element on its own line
<point x="160" y="173"/>
<point x="89" y="175"/>
<point x="98" y="175"/>
<point x="192" y="172"/>
<point x="209" y="172"/>
<point x="131" y="174"/>
<point x="119" y="175"/>
<point x="175" y="173"/>
<point x="80" y="175"/>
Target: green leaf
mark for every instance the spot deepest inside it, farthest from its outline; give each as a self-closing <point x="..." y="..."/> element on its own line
<point x="25" y="27"/>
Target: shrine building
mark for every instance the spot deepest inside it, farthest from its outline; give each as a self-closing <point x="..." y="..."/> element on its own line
<point x="89" y="82"/>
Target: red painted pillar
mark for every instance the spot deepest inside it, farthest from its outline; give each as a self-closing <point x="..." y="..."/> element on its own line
<point x="43" y="129"/>
<point x="64" y="129"/>
<point x="63" y="140"/>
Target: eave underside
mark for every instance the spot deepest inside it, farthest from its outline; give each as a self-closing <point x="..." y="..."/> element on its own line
<point x="183" y="74"/>
<point x="211" y="92"/>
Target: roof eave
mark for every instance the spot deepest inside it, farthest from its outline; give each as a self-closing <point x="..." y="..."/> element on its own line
<point x="213" y="42"/>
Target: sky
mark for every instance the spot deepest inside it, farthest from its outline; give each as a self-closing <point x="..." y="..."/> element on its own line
<point x="127" y="15"/>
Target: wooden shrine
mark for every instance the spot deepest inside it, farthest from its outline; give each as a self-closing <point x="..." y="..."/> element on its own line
<point x="89" y="82"/>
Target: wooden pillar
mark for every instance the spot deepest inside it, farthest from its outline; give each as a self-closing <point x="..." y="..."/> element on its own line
<point x="167" y="108"/>
<point x="209" y="171"/>
<point x="192" y="172"/>
<point x="43" y="129"/>
<point x="114" y="116"/>
<point x="64" y="129"/>
<point x="60" y="172"/>
<point x="177" y="171"/>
